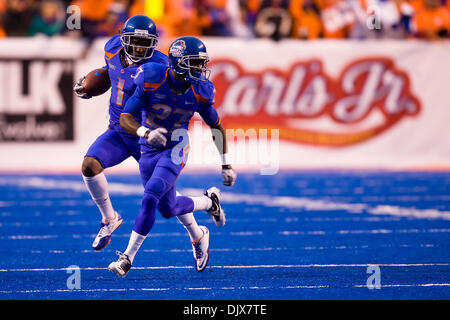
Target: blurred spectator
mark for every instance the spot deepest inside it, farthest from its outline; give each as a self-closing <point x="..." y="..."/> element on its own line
<point x="51" y="19"/>
<point x="338" y="18"/>
<point x="380" y="18"/>
<point x="407" y="12"/>
<point x="137" y="7"/>
<point x="306" y="19"/>
<point x="432" y="21"/>
<point x="182" y="17"/>
<point x="219" y="20"/>
<point x="251" y="8"/>
<point x="115" y="18"/>
<point x="237" y="10"/>
<point x="273" y="20"/>
<point x="93" y="12"/>
<point x="2" y="11"/>
<point x="416" y="4"/>
<point x="17" y="18"/>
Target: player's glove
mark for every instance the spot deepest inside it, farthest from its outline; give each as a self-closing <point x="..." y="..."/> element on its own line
<point x="155" y="137"/>
<point x="78" y="89"/>
<point x="228" y="175"/>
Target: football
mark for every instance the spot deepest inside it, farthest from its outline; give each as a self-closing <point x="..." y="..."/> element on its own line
<point x="96" y="82"/>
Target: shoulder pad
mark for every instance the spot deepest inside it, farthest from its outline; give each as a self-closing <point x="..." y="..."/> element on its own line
<point x="204" y="91"/>
<point x="150" y="76"/>
<point x="159" y="57"/>
<point x="112" y="47"/>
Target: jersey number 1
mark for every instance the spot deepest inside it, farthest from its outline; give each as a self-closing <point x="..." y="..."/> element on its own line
<point x="120" y="92"/>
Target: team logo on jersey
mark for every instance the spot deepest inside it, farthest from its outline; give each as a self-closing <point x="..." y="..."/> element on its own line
<point x="177" y="48"/>
<point x="308" y="106"/>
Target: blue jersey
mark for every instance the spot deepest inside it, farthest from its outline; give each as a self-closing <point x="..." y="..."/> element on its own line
<point x="122" y="77"/>
<point x="158" y="105"/>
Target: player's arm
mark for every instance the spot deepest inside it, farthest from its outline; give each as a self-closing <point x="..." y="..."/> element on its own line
<point x="132" y="110"/>
<point x="211" y="118"/>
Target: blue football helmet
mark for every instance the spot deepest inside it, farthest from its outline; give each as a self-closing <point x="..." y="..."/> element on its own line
<point x="139" y="37"/>
<point x="188" y="57"/>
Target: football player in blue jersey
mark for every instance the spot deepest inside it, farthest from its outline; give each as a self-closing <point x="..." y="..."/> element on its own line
<point x="167" y="97"/>
<point x="124" y="54"/>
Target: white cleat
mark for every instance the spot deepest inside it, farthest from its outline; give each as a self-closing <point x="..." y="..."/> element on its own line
<point x="103" y="237"/>
<point x="216" y="211"/>
<point x="200" y="249"/>
<point x="121" y="266"/>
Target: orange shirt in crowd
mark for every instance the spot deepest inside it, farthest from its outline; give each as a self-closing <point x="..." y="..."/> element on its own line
<point x="253" y="5"/>
<point x="181" y="18"/>
<point x="2" y="9"/>
<point x="138" y="7"/>
<point x="221" y="4"/>
<point x="416" y="4"/>
<point x="306" y="24"/>
<point x="296" y="8"/>
<point x="429" y="22"/>
<point x="93" y="9"/>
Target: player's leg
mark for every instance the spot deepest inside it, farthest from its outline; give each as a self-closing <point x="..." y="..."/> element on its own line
<point x="97" y="185"/>
<point x="173" y="204"/>
<point x="107" y="151"/>
<point x="209" y="202"/>
<point x="160" y="180"/>
<point x="153" y="190"/>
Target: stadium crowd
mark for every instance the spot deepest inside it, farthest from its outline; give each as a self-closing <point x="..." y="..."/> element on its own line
<point x="275" y="19"/>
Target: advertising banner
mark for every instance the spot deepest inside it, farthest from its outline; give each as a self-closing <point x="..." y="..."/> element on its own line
<point x="339" y="104"/>
<point x="36" y="102"/>
<point x="290" y="104"/>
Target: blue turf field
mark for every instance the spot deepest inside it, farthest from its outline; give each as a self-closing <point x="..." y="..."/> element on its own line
<point x="296" y="235"/>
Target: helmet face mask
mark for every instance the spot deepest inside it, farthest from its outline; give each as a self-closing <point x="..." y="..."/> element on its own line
<point x="138" y="46"/>
<point x="196" y="66"/>
<point x="139" y="38"/>
<point x="188" y="58"/>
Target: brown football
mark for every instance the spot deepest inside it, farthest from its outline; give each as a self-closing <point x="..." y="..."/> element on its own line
<point x="96" y="82"/>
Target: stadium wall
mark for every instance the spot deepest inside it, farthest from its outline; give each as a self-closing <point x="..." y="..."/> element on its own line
<point x="287" y="105"/>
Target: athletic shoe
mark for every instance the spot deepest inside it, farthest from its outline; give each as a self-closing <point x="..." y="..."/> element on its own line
<point x="216" y="211"/>
<point x="121" y="266"/>
<point x="200" y="249"/>
<point x="103" y="237"/>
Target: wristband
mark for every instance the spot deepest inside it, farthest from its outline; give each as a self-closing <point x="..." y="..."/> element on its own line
<point x="225" y="160"/>
<point x="143" y="132"/>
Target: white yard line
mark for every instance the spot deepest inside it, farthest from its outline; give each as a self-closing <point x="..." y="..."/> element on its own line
<point x="284" y="266"/>
<point x="289" y="202"/>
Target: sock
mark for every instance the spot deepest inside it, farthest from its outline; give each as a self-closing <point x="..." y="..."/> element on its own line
<point x="202" y="203"/>
<point x="98" y="189"/>
<point x="190" y="224"/>
<point x="134" y="244"/>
